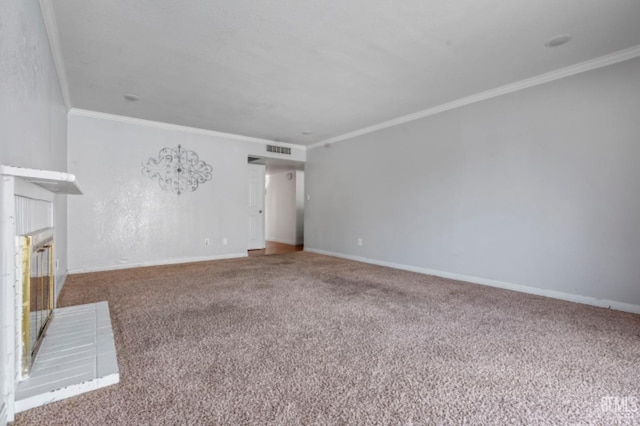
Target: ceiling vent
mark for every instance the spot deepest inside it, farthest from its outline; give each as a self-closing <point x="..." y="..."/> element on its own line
<point x="279" y="149"/>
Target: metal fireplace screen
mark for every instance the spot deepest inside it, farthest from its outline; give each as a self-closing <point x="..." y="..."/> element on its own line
<point x="38" y="289"/>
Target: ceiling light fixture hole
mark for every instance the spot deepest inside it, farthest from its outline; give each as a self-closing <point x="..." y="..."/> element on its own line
<point x="131" y="97"/>
<point x="558" y="40"/>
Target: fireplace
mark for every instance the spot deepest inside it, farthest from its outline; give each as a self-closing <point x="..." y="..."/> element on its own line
<point x="36" y="293"/>
<point x="46" y="354"/>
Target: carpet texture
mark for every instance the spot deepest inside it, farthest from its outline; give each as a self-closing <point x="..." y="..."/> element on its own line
<point x="302" y="338"/>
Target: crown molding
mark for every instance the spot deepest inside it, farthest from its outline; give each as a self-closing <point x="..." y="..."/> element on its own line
<point x="602" y="61"/>
<point x="51" y="26"/>
<point x="178" y="128"/>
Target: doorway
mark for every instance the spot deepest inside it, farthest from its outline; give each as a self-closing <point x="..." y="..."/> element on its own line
<point x="283" y="206"/>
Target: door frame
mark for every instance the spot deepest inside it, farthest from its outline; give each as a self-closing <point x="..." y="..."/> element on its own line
<point x="256" y="211"/>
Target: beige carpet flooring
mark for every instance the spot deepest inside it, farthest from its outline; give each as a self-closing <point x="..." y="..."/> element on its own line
<point x="301" y="338"/>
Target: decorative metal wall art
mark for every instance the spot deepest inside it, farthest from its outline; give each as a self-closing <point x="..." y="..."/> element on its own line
<point x="177" y="170"/>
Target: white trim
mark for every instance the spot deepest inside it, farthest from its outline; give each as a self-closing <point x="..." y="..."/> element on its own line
<point x="157" y="263"/>
<point x="52" y="181"/>
<point x="7" y="295"/>
<point x="26" y="173"/>
<point x="179" y="128"/>
<point x="51" y="27"/>
<point x="603" y="61"/>
<point x="586" y="300"/>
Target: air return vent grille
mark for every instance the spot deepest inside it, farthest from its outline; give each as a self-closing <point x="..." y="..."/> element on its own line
<point x="279" y="149"/>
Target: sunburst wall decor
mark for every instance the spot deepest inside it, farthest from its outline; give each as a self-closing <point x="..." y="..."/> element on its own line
<point x="177" y="170"/>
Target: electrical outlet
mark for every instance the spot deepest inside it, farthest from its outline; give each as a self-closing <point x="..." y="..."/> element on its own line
<point x="57" y="264"/>
<point x="206" y="241"/>
<point x="359" y="241"/>
<point x="308" y="197"/>
<point x="225" y="241"/>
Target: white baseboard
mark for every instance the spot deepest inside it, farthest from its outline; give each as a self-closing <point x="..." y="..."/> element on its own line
<point x="586" y="300"/>
<point x="156" y="263"/>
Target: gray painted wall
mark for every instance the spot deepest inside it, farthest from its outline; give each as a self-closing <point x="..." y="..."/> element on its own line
<point x="124" y="219"/>
<point x="537" y="188"/>
<point x="33" y="117"/>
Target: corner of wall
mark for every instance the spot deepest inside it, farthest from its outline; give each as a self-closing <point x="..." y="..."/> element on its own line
<point x="51" y="27"/>
<point x="60" y="280"/>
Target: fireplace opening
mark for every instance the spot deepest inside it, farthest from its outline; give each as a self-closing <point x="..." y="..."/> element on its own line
<point x="38" y="289"/>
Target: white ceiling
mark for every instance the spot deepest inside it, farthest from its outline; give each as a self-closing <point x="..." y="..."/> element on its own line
<point x="274" y="69"/>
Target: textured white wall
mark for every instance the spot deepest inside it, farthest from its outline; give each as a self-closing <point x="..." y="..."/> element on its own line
<point x="33" y="133"/>
<point x="537" y="188"/>
<point x="124" y="219"/>
<point x="280" y="208"/>
<point x="33" y="122"/>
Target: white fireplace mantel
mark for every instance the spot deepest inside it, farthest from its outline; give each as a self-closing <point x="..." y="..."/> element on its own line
<point x="56" y="182"/>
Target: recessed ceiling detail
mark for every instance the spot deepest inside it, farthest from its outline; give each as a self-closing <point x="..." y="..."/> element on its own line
<point x="177" y="170"/>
